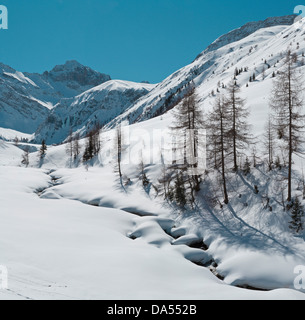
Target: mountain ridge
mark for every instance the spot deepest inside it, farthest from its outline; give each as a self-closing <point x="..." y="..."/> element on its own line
<point x="26" y="98"/>
<point x="246" y="30"/>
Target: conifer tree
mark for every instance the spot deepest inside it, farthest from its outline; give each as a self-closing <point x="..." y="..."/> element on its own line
<point x="93" y="144"/>
<point x="269" y="141"/>
<point x="89" y="148"/>
<point x="218" y="128"/>
<point x="118" y="147"/>
<point x="286" y="103"/>
<point x="25" y="157"/>
<point x="297" y="216"/>
<point x="143" y="177"/>
<point x="43" y="150"/>
<point x="247" y="167"/>
<point x="236" y="73"/>
<point x="239" y="132"/>
<point x="76" y="146"/>
<point x="188" y="122"/>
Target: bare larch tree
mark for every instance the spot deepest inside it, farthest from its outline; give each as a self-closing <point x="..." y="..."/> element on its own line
<point x="269" y="141"/>
<point x="240" y="129"/>
<point x="218" y="128"/>
<point x="287" y="102"/>
<point x="187" y="126"/>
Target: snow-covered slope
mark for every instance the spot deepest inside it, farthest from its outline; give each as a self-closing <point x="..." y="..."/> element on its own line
<point x="9" y="154"/>
<point x="98" y="105"/>
<point x="248" y="29"/>
<point x="9" y="134"/>
<point x="248" y="47"/>
<point x="26" y="98"/>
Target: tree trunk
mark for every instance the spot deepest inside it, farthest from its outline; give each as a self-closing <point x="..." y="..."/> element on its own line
<point x="119" y="142"/>
<point x="234" y="133"/>
<point x="290" y="142"/>
<point x="226" y="198"/>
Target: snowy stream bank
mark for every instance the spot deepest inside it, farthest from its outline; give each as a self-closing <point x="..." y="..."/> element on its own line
<point x="159" y="231"/>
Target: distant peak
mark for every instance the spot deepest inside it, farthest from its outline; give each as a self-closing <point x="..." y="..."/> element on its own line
<point x="69" y="65"/>
<point x="73" y="64"/>
<point x="75" y="72"/>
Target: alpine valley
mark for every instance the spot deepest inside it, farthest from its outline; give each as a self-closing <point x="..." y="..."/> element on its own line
<point x="87" y="214"/>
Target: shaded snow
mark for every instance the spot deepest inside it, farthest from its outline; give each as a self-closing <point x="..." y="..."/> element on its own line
<point x="63" y="249"/>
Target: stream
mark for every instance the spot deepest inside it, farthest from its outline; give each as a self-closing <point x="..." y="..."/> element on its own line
<point x="198" y="254"/>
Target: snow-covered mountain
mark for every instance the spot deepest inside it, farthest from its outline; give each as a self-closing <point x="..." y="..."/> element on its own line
<point x="98" y="105"/>
<point x="248" y="29"/>
<point x="19" y="109"/>
<point x="67" y="81"/>
<point x="26" y="98"/>
<point x="245" y="47"/>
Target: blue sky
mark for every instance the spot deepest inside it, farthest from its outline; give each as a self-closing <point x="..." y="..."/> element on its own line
<point x="129" y="39"/>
